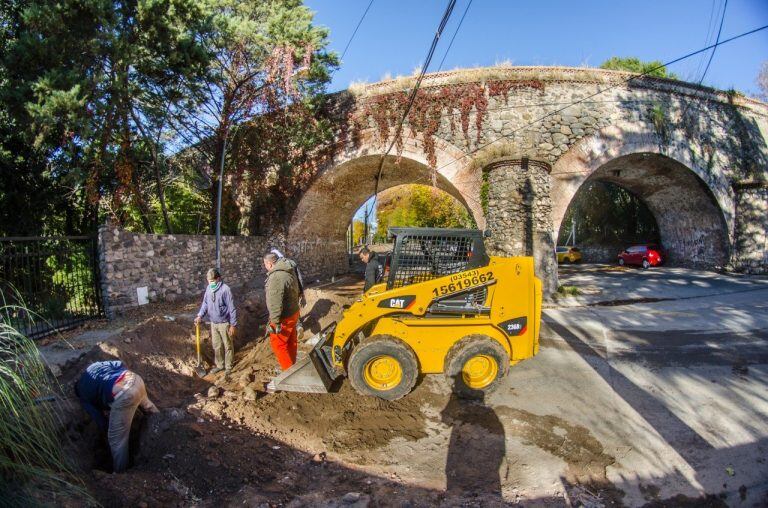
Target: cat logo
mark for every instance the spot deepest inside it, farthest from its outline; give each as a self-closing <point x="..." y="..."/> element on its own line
<point x="402" y="302"/>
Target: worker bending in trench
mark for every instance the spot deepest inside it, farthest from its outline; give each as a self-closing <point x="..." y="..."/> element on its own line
<point x="282" y="295"/>
<point x="110" y="387"/>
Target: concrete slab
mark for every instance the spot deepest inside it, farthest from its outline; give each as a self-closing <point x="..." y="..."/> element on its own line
<point x="686" y="394"/>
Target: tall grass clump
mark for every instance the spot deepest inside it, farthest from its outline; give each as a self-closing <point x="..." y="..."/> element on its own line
<point x="34" y="469"/>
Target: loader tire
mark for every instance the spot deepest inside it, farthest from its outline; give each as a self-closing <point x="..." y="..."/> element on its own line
<point x="383" y="366"/>
<point x="475" y="366"/>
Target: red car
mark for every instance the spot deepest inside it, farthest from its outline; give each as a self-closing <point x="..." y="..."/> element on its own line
<point x="645" y="255"/>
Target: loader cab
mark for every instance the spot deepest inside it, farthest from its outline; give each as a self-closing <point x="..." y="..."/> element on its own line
<point x="422" y="254"/>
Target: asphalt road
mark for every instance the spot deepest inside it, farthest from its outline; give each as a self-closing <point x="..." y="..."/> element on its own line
<point x="603" y="284"/>
<point x="674" y="391"/>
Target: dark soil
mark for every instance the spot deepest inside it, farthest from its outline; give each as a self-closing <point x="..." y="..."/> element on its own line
<point x="290" y="448"/>
<point x="228" y="450"/>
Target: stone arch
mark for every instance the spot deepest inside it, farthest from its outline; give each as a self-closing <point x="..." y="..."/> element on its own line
<point x="317" y="229"/>
<point x="693" y="205"/>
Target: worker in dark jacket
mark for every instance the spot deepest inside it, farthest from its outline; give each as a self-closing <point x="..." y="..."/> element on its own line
<point x="282" y="295"/>
<point x="297" y="272"/>
<point x="109" y="386"/>
<point x="219" y="305"/>
<point x="300" y="280"/>
<point x="373" y="269"/>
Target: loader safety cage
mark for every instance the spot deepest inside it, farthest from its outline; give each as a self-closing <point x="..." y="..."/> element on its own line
<point x="422" y="254"/>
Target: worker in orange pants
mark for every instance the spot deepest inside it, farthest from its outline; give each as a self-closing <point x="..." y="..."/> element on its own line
<point x="282" y="295"/>
<point x="284" y="342"/>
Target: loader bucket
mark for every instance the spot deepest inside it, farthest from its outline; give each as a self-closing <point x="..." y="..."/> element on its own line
<point x="313" y="373"/>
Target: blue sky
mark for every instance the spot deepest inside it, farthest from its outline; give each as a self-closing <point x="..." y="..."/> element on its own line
<point x="396" y="34"/>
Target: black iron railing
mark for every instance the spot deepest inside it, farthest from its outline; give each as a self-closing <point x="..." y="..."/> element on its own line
<point x="49" y="283"/>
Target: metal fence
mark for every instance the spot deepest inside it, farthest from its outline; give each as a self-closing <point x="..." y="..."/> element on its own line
<point x="49" y="283"/>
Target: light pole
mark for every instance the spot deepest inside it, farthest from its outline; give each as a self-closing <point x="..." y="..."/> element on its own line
<point x="218" y="204"/>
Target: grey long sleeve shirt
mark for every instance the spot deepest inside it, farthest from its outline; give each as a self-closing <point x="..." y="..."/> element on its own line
<point x="219" y="305"/>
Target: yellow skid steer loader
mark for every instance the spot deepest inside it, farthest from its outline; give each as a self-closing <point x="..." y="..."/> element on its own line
<point x="446" y="306"/>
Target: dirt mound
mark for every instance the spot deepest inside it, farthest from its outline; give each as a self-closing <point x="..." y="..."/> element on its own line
<point x="324" y="306"/>
<point x="336" y="422"/>
<point x="279" y="448"/>
<point x="205" y="463"/>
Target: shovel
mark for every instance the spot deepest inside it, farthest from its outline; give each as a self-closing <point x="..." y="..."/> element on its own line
<point x="199" y="369"/>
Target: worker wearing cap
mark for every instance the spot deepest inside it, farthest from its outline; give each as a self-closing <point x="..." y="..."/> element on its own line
<point x="297" y="273"/>
<point x="219" y="305"/>
<point x="109" y="386"/>
<point x="300" y="280"/>
<point x="282" y="295"/>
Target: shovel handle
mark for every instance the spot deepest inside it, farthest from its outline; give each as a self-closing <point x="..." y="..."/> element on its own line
<point x="197" y="339"/>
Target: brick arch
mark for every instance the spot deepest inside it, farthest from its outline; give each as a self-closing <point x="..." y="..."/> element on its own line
<point x="321" y="217"/>
<point x="352" y="176"/>
<point x="693" y="205"/>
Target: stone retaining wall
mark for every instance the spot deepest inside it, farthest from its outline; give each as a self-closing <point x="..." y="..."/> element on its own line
<point x="319" y="259"/>
<point x="173" y="267"/>
<point x="601" y="253"/>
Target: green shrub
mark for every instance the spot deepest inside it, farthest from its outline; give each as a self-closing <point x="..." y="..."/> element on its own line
<point x="33" y="465"/>
<point x="568" y="290"/>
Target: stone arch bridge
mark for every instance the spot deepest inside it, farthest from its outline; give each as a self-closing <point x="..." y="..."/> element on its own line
<point x="697" y="157"/>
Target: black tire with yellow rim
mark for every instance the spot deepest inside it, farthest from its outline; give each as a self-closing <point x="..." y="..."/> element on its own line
<point x="475" y="366"/>
<point x="383" y="366"/>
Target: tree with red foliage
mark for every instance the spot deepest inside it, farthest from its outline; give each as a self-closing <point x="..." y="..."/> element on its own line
<point x="259" y="119"/>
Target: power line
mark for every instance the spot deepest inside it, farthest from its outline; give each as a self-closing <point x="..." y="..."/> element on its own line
<point x="450" y="44"/>
<point x="709" y="34"/>
<point x="717" y="40"/>
<point x="684" y="114"/>
<point x="412" y="98"/>
<point x="343" y="53"/>
<point x="623" y="82"/>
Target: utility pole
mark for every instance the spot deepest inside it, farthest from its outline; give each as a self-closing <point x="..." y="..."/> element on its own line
<point x="365" y="227"/>
<point x="218" y="204"/>
<point x="571" y="240"/>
